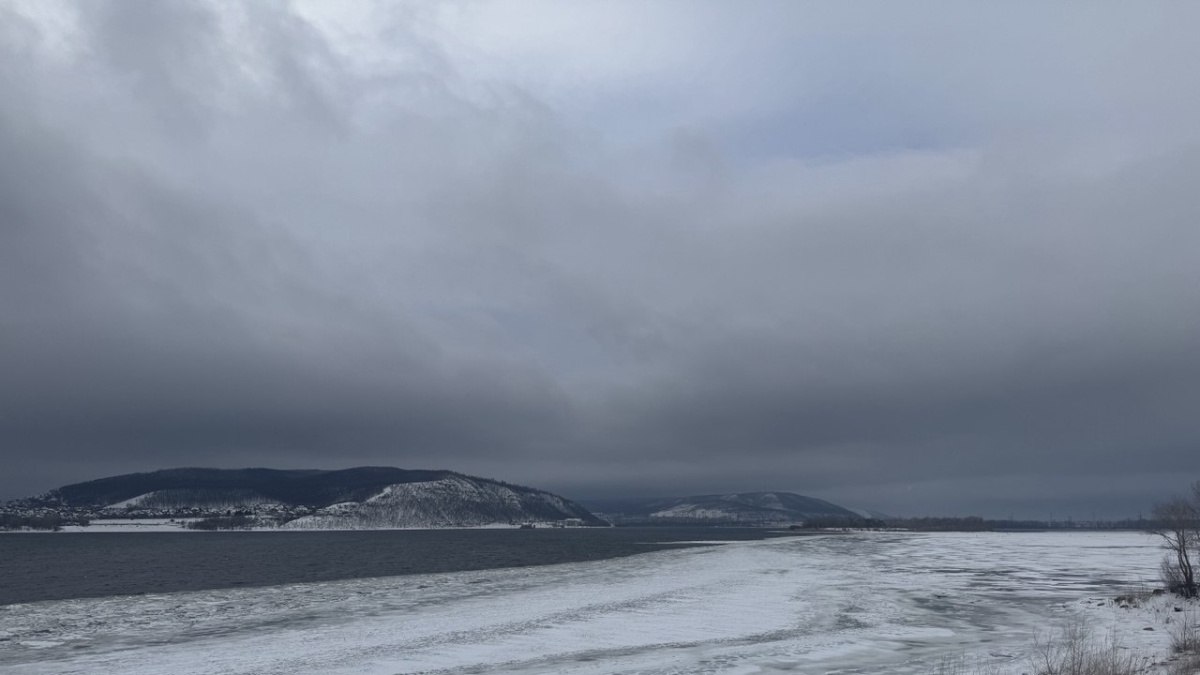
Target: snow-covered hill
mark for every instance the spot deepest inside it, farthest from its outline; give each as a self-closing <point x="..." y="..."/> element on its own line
<point x="360" y="498"/>
<point x="758" y="508"/>
<point x="454" y="501"/>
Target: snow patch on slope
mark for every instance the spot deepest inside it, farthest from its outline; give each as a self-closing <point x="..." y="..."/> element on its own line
<point x="449" y="502"/>
<point x="694" y="511"/>
<point x="132" y="501"/>
<point x="183" y="498"/>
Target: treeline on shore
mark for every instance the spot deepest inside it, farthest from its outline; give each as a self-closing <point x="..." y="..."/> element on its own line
<point x="51" y="522"/>
<point x="237" y="521"/>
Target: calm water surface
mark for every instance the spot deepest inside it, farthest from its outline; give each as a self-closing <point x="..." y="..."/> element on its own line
<point x="55" y="566"/>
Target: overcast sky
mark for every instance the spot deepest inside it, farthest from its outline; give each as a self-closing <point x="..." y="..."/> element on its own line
<point x="915" y="257"/>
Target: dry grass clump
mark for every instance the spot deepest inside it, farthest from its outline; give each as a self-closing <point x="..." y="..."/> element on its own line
<point x="1071" y="651"/>
<point x="961" y="665"/>
<point x="1074" y="651"/>
<point x="1185" y="632"/>
<point x="1185" y="642"/>
<point x="1188" y="665"/>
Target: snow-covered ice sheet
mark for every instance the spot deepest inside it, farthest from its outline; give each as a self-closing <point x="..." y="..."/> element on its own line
<point x="859" y="603"/>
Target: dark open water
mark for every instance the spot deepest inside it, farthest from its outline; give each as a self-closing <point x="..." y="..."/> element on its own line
<point x="55" y="566"/>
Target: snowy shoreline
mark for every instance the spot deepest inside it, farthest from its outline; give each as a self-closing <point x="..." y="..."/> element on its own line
<point x="872" y="602"/>
<point x="180" y="525"/>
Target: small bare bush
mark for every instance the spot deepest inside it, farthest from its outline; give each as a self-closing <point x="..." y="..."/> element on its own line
<point x="1173" y="577"/>
<point x="1188" y="665"/>
<point x="1071" y="651"/>
<point x="961" y="665"/>
<point x="1191" y="665"/>
<point x="1185" y="633"/>
<point x="1177" y="523"/>
<point x="1074" y="651"/>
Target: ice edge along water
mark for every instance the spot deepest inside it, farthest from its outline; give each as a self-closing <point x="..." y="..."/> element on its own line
<point x="865" y="603"/>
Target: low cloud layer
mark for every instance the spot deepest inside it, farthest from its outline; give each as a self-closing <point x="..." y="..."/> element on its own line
<point x="945" y="263"/>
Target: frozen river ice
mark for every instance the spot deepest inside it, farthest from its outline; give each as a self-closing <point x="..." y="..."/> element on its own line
<point x="857" y="603"/>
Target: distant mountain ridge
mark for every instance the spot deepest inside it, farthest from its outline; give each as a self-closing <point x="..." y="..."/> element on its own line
<point x="758" y="508"/>
<point x="362" y="497"/>
<point x="297" y="487"/>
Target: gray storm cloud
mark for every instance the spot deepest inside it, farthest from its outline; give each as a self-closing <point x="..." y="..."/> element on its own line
<point x="934" y="263"/>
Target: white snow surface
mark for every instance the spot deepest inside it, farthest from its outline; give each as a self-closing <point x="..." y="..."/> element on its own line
<point x="859" y="603"/>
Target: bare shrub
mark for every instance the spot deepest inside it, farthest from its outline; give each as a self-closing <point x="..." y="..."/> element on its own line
<point x="1189" y="665"/>
<point x="1074" y="651"/>
<point x="1177" y="522"/>
<point x="1185" y="634"/>
<point x="1172" y="575"/>
<point x="961" y="665"/>
<point x="1071" y="651"/>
